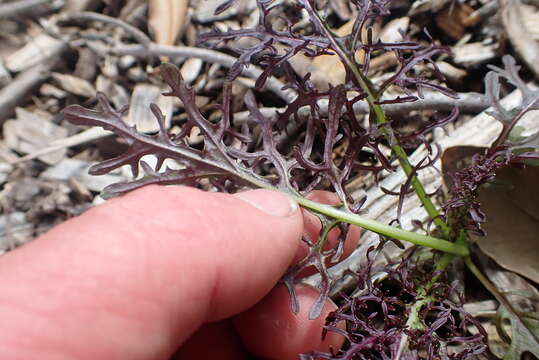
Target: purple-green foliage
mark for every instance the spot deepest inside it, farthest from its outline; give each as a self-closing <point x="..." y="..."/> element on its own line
<point x="293" y="152"/>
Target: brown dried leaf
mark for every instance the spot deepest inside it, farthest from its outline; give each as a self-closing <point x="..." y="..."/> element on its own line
<point x="512" y="226"/>
<point x="166" y="19"/>
<point x="452" y="20"/>
<point x="511" y="205"/>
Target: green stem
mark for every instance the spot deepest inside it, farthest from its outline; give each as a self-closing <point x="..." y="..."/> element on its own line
<point x="383" y="229"/>
<point x="446" y="259"/>
<point x="382" y="120"/>
<point x="369" y="224"/>
<point x="414" y="321"/>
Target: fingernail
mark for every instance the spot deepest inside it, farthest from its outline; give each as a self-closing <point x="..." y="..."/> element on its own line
<point x="271" y="202"/>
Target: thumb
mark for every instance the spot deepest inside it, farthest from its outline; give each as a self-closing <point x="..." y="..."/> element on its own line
<point x="133" y="278"/>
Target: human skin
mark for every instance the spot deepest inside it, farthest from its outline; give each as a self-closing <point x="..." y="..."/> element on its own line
<point x="162" y="271"/>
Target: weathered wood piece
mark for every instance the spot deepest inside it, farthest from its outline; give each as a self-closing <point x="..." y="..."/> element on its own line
<point x="31" y="132"/>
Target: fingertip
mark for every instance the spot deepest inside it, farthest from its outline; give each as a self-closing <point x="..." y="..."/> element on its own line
<point x="270" y="330"/>
<point x="273" y="203"/>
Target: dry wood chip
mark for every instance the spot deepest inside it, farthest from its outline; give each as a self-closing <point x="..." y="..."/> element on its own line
<point x="116" y="93"/>
<point x="205" y="10"/>
<point x="78" y="169"/>
<point x="531" y="20"/>
<point x="390" y="33"/>
<point x="14" y="231"/>
<point x="87" y="135"/>
<point x="392" y="30"/>
<point x="139" y="107"/>
<point x="35" y="51"/>
<point x="81" y="5"/>
<point x="5" y="170"/>
<point x="74" y="85"/>
<point x="166" y="19"/>
<point x="127" y="61"/>
<point x="31" y="132"/>
<point x="473" y="53"/>
<point x="6" y="154"/>
<point x="190" y="69"/>
<point x="421" y="6"/>
<point x="51" y="90"/>
<point x="342" y="9"/>
<point x="5" y="77"/>
<point x="519" y="35"/>
<point x="451" y="72"/>
<point x="130" y="8"/>
<point x="86" y="67"/>
<point x="110" y="66"/>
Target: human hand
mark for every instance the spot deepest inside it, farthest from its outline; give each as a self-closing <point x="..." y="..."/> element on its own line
<point x="158" y="270"/>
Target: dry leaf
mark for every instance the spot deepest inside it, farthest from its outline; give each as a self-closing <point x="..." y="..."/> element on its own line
<point x="166" y="19"/>
<point x="511" y="205"/>
<point x="512" y="226"/>
<point x="452" y="20"/>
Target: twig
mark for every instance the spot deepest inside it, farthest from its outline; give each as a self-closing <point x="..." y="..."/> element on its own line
<point x="12" y="94"/>
<point x="149" y="48"/>
<point x="207" y="55"/>
<point x="19" y="7"/>
<point x="519" y="36"/>
<point x="77" y="139"/>
<point x="140" y="36"/>
<point x="467" y="102"/>
<point x="488" y="10"/>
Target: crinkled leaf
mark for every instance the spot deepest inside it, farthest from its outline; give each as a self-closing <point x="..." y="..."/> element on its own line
<point x="524" y="334"/>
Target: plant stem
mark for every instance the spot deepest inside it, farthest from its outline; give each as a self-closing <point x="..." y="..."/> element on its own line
<point x="399" y="152"/>
<point x="369" y="224"/>
<point x="381" y="120"/>
<point x="383" y="229"/>
<point x="413" y="321"/>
